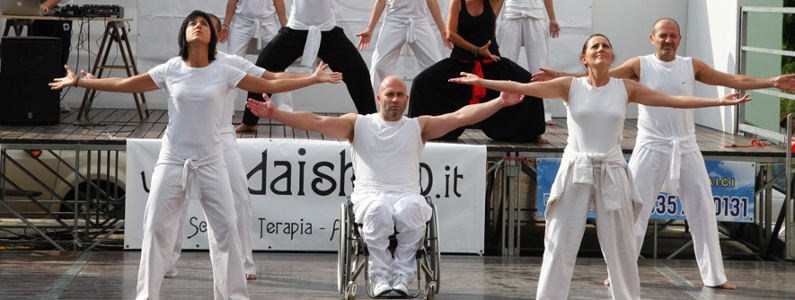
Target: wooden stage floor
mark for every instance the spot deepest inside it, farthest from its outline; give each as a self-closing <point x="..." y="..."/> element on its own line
<point x="112" y="275"/>
<point x="111" y="127"/>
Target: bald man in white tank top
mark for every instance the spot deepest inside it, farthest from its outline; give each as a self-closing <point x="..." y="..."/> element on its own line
<point x="666" y="141"/>
<point x="385" y="150"/>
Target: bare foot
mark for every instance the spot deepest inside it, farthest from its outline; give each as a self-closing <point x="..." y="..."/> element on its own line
<point x="725" y="286"/>
<point x="607" y="282"/>
<point x="251" y="277"/>
<point x="245" y="128"/>
<point x="551" y="123"/>
<point x="542" y="140"/>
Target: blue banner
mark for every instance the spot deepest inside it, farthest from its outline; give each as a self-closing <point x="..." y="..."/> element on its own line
<point x="732" y="189"/>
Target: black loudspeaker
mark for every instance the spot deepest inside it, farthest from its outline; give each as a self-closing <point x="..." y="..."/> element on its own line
<point x="29" y="64"/>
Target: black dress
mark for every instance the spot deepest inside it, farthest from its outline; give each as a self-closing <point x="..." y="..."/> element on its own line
<point x="431" y="94"/>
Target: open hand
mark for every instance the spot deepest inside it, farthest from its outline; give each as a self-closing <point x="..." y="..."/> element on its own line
<point x="364" y="41"/>
<point x="323" y="76"/>
<point x="545" y="75"/>
<point x="264" y="109"/>
<point x="731" y="100"/>
<point x="554" y="29"/>
<point x="785" y="82"/>
<point x="466" y="78"/>
<point x="484" y="51"/>
<point x="69" y="80"/>
<point x="509" y="99"/>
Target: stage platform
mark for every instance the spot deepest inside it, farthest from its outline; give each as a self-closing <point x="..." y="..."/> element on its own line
<point x="112" y="275"/>
<point x="108" y="130"/>
<point x="111" y="127"/>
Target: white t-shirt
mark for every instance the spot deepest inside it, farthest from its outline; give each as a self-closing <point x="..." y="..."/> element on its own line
<point x="306" y="13"/>
<point x="386" y="155"/>
<point x="195" y="106"/>
<point x="675" y="78"/>
<point x="595" y="115"/>
<point x="241" y="64"/>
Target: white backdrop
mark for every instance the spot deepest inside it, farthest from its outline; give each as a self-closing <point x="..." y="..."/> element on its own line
<point x="297" y="186"/>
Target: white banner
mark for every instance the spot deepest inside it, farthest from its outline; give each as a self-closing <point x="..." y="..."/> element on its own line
<point x="297" y="186"/>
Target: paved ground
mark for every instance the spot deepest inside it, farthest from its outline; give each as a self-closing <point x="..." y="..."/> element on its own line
<point x="112" y="275"/>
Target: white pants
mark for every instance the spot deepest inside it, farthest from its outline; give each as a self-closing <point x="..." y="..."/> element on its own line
<point x="391" y="39"/>
<point x="243" y="40"/>
<point x="381" y="213"/>
<point x="534" y="35"/>
<point x="650" y="169"/>
<point x="242" y="200"/>
<point x="565" y="225"/>
<point x="166" y="199"/>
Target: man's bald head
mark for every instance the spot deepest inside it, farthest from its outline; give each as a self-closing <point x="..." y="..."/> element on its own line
<point x="665" y="21"/>
<point x="392" y="98"/>
<point x="390" y="81"/>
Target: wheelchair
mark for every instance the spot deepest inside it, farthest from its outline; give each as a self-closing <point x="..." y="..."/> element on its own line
<point x="352" y="257"/>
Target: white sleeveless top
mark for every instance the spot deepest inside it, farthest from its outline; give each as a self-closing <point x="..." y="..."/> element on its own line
<point x="403" y="10"/>
<point x="515" y="9"/>
<point x="255" y="9"/>
<point x="675" y="78"/>
<point x="386" y="155"/>
<point x="307" y="13"/>
<point x="595" y="115"/>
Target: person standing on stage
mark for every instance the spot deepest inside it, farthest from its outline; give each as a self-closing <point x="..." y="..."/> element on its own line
<point x="406" y="22"/>
<point x="385" y="151"/>
<point x="61" y="29"/>
<point x="312" y="32"/>
<point x="250" y="25"/>
<point x="470" y="27"/>
<point x="666" y="141"/>
<point x="191" y="163"/>
<point x="234" y="163"/>
<point x="593" y="171"/>
<point x="523" y="22"/>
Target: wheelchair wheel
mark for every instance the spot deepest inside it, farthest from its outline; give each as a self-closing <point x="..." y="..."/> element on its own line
<point x="434" y="252"/>
<point x="343" y="261"/>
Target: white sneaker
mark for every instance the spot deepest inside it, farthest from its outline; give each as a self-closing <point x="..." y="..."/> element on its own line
<point x="171" y="273"/>
<point x="379" y="284"/>
<point x="400" y="284"/>
<point x="65" y="108"/>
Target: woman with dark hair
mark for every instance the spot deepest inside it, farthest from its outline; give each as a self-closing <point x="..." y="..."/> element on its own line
<point x="191" y="163"/>
<point x="593" y="171"/>
<point x="470" y="27"/>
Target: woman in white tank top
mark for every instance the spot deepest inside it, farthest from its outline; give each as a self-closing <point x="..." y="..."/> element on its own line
<point x="593" y="171"/>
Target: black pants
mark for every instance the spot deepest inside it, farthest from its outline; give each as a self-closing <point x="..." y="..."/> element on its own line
<point x="335" y="49"/>
<point x="431" y="94"/>
<point x="59" y="29"/>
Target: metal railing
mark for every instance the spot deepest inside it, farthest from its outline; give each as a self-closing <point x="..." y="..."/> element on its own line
<point x="744" y="126"/>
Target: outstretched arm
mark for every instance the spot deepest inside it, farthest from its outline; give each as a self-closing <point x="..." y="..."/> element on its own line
<point x="630" y="69"/>
<point x="639" y="93"/>
<point x="336" y="127"/>
<point x="261" y="85"/>
<point x="366" y="35"/>
<point x="433" y="7"/>
<point x="436" y="126"/>
<point x="136" y="84"/>
<point x="330" y="77"/>
<point x="708" y="75"/>
<point x="557" y="88"/>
